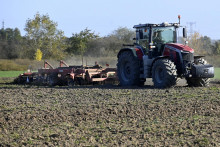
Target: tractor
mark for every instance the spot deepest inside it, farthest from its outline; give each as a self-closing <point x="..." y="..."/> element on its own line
<point x="160" y="52"/>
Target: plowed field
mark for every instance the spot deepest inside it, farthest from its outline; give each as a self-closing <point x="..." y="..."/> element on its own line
<point x="109" y="116"/>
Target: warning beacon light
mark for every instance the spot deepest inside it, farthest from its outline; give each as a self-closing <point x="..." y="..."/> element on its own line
<point x="179" y="18"/>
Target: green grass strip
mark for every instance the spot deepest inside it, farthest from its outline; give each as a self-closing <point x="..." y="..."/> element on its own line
<point x="8" y="74"/>
<point x="17" y="73"/>
<point x="217" y="73"/>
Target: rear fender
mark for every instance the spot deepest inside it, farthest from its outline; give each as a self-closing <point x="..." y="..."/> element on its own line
<point x="137" y="52"/>
<point x="159" y="57"/>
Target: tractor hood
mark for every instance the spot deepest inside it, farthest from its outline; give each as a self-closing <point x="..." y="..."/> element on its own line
<point x="180" y="47"/>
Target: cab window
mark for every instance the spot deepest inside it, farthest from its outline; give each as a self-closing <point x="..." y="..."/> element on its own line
<point x="144" y="35"/>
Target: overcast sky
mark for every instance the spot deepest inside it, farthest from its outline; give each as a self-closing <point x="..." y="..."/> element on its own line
<point x="104" y="16"/>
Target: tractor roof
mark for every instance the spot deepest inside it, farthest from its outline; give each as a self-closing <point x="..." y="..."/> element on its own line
<point x="164" y="24"/>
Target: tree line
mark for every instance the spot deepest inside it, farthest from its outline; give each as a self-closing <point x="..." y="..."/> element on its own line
<point x="42" y="35"/>
<point x="43" y="38"/>
<point x="203" y="45"/>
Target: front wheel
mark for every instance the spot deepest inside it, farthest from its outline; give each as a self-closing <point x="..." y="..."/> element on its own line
<point x="164" y="73"/>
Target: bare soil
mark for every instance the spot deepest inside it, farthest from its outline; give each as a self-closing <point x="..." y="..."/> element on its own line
<point x="109" y="115"/>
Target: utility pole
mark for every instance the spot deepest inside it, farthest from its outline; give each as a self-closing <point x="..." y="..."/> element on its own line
<point x="3" y="25"/>
<point x="191" y="28"/>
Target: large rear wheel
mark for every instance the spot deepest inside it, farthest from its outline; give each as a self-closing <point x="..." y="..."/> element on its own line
<point x="128" y="69"/>
<point x="198" y="82"/>
<point x="164" y="73"/>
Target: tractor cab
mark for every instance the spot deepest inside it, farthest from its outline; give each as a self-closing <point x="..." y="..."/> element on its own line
<point x="153" y="37"/>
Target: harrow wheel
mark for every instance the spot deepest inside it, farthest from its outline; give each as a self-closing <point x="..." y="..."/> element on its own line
<point x="70" y="82"/>
<point x="52" y="80"/>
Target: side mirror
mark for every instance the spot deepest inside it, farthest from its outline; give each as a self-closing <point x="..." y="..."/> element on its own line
<point x="184" y="33"/>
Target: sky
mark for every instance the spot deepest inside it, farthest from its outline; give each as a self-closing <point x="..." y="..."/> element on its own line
<point x="105" y="16"/>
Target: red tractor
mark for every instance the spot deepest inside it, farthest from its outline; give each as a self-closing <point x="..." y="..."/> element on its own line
<point x="157" y="54"/>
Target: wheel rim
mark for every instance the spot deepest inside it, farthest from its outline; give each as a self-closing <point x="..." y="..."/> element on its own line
<point x="70" y="82"/>
<point x="159" y="74"/>
<point x="126" y="71"/>
<point x="51" y="82"/>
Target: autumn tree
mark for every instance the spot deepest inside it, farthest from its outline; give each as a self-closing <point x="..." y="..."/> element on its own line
<point x="195" y="42"/>
<point x="44" y="35"/>
<point x="38" y="55"/>
<point x="202" y="44"/>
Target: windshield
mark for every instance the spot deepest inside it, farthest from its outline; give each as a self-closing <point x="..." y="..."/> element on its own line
<point x="164" y="35"/>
